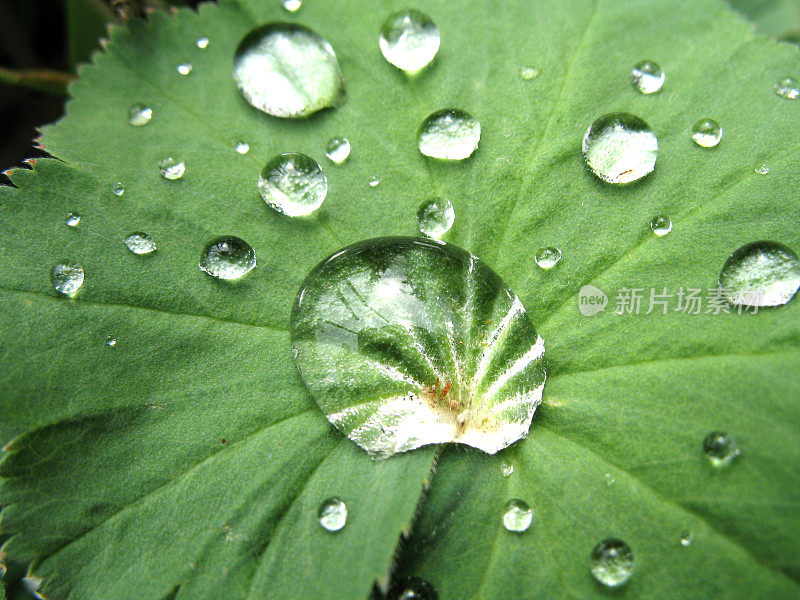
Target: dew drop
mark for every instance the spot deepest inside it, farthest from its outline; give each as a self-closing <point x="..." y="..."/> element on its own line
<point x="139" y="115"/>
<point x="139" y="242"/>
<point x="686" y="538"/>
<point x="374" y="181"/>
<point x="661" y="225"/>
<point x="227" y="257"/>
<point x="332" y="514"/>
<point x="409" y="40"/>
<point x="435" y="217"/>
<point x="612" y="562"/>
<point x="761" y="274"/>
<point x="528" y="73"/>
<point x="506" y="469"/>
<point x="67" y="279"/>
<point x="287" y="70"/>
<point x="610" y="480"/>
<point x="292" y="6"/>
<point x="118" y="189"/>
<point x="449" y="134"/>
<point x="720" y="448"/>
<point x="620" y="148"/>
<point x="411" y="588"/>
<point x="184" y="68"/>
<point x="547" y="257"/>
<point x="647" y="77"/>
<point x="788" y="87"/>
<point x="762" y="169"/>
<point x="405" y="342"/>
<point x="202" y="42"/>
<point x="242" y="147"/>
<point x="111" y="341"/>
<point x="293" y="184"/>
<point x="172" y="168"/>
<point x="338" y="150"/>
<point x="706" y="133"/>
<point x="73" y="219"/>
<point x="517" y="516"/>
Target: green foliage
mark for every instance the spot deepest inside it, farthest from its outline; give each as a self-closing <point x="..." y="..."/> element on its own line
<point x="188" y="461"/>
<point x="778" y="18"/>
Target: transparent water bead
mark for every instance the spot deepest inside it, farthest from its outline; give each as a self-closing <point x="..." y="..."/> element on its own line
<point x="139" y="242"/>
<point x="762" y="169"/>
<point x="517" y="516"/>
<point x="118" y="189"/>
<point x="720" y="448"/>
<point x="332" y="514"/>
<point x="411" y="588"/>
<point x="788" y="87"/>
<point x="612" y="562"/>
<point x="686" y="538"/>
<point x="338" y="150"/>
<point x="242" y="147"/>
<point x="139" y="114"/>
<point x="661" y="225"/>
<point x="409" y="40"/>
<point x="706" y="133"/>
<point x="293" y="184"/>
<point x="228" y="257"/>
<point x="172" y="168"/>
<point x="111" y="341"/>
<point x="374" y="181"/>
<point x="287" y="70"/>
<point x="184" y="68"/>
<point x="292" y="6"/>
<point x="435" y="217"/>
<point x="761" y="274"/>
<point x="202" y="42"/>
<point x="405" y="342"/>
<point x="547" y="257"/>
<point x="620" y="148"/>
<point x="507" y="469"/>
<point x="528" y="73"/>
<point x="67" y="279"/>
<point x="647" y="77"/>
<point x="449" y="134"/>
<point x="73" y="219"/>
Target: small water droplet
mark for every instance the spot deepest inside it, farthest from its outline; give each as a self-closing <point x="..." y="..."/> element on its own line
<point x="111" y="341"/>
<point x="449" y="134"/>
<point x="411" y="588"/>
<point x="409" y="40"/>
<point x="293" y="184"/>
<point x="292" y="5"/>
<point x="762" y="169"/>
<point x="720" y="448"/>
<point x="661" y="225"/>
<point x="620" y="148"/>
<point x="73" y="219"/>
<point x="242" y="147"/>
<point x="686" y="538"/>
<point x="647" y="77"/>
<point x="139" y="242"/>
<point x="172" y="168"/>
<point x="761" y="274"/>
<point x="332" y="514"/>
<point x="518" y="516"/>
<point x="610" y="480"/>
<point x="227" y="257"/>
<point x="118" y="189"/>
<point x="435" y="217"/>
<point x="338" y="150"/>
<point x="139" y="114"/>
<point x="506" y="469"/>
<point x="202" y="42"/>
<point x="547" y="257"/>
<point x="528" y="73"/>
<point x="706" y="133"/>
<point x="287" y="70"/>
<point x="184" y="68"/>
<point x="67" y="279"/>
<point x="374" y="181"/>
<point x="788" y="87"/>
<point x="612" y="562"/>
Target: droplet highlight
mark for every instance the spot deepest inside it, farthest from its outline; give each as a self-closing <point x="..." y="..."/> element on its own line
<point x="139" y="242"/>
<point x="661" y="225"/>
<point x="612" y="562"/>
<point x="172" y="168"/>
<point x="788" y="87"/>
<point x="184" y="68"/>
<point x="332" y="514"/>
<point x="67" y="278"/>
<point x="507" y="469"/>
<point x="202" y="42"/>
<point x="762" y="169"/>
<point x="720" y="448"/>
<point x="517" y="516"/>
<point x="118" y="189"/>
<point x="620" y="148"/>
<point x="228" y="257"/>
<point x="435" y="217"/>
<point x="409" y="40"/>
<point x="686" y="538"/>
<point x="111" y="341"/>
<point x="760" y="274"/>
<point x="411" y="588"/>
<point x="706" y="133"/>
<point x="547" y="257"/>
<point x="73" y="219"/>
<point x="293" y="184"/>
<point x="647" y="77"/>
<point x="338" y="150"/>
<point x="449" y="134"/>
<point x="528" y="73"/>
<point x="242" y="147"/>
<point x="292" y="6"/>
<point x="139" y="115"/>
<point x="374" y="181"/>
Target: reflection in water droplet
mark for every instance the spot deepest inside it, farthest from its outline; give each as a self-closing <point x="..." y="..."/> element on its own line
<point x="111" y="341"/>
<point x="620" y="148"/>
<point x="332" y="514"/>
<point x="202" y="42"/>
<point x="73" y="219"/>
<point x="762" y="169"/>
<point x="139" y="115"/>
<point x="227" y="257"/>
<point x="518" y="516"/>
<point x="687" y="538"/>
<point x="184" y="68"/>
<point x="435" y="217"/>
<point x="661" y="225"/>
<point x="610" y="480"/>
<point x="292" y="5"/>
<point x="761" y="274"/>
<point x="547" y="257"/>
<point x="411" y="588"/>
<point x="409" y="40"/>
<point x="118" y="189"/>
<point x="242" y="147"/>
<point x="293" y="184"/>
<point x="449" y="134"/>
<point x="287" y="70"/>
<point x="706" y="133"/>
<point x="612" y="562"/>
<point x="338" y="150"/>
<point x="720" y="448"/>
<point x="405" y="342"/>
<point x="67" y="279"/>
<point x="506" y="469"/>
<point x="171" y="168"/>
<point x="788" y="87"/>
<point x="647" y="77"/>
<point x="528" y="73"/>
<point x="139" y="242"/>
<point x="374" y="181"/>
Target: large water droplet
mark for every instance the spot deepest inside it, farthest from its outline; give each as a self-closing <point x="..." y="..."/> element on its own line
<point x="293" y="184"/>
<point x="202" y="42"/>
<point x="409" y="341"/>
<point x="227" y="257"/>
<point x="706" y="133"/>
<point x="332" y="514"/>
<point x="547" y="257"/>
<point x="172" y="168"/>
<point x="287" y="70"/>
<point x="338" y="150"/>
<point x="118" y="189"/>
<point x="612" y="562"/>
<point x="411" y="588"/>
<point x="184" y="68"/>
<point x="661" y="225"/>
<point x="720" y="448"/>
<point x="517" y="516"/>
<point x="449" y="134"/>
<point x="620" y="148"/>
<point x="435" y="217"/>
<point x="647" y="77"/>
<point x="292" y="6"/>
<point x="409" y="40"/>
<point x="139" y="115"/>
<point x="139" y="242"/>
<point x="73" y="219"/>
<point x="761" y="274"/>
<point x="788" y="87"/>
<point x="67" y="279"/>
<point x="242" y="147"/>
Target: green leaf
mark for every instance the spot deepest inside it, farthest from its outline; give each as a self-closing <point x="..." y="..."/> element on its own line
<point x="188" y="461"/>
<point x="778" y="18"/>
<point x="86" y="24"/>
